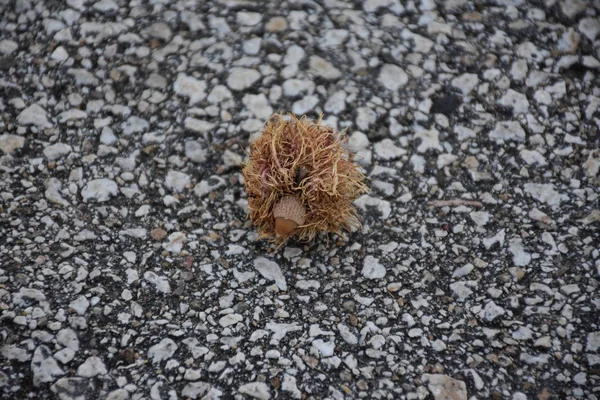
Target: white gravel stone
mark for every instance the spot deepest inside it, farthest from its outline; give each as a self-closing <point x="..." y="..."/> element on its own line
<point x="188" y="86"/>
<point x="304" y="105"/>
<point x="242" y="78"/>
<point x="230" y="319"/>
<point x="93" y="366"/>
<point x="387" y="150"/>
<point x="592" y="164"/>
<point x="44" y="367"/>
<point x="383" y="207"/>
<point x="515" y="100"/>
<point x="392" y="77"/>
<point x="429" y="140"/>
<point x="460" y="290"/>
<point x="8" y="47"/>
<point x="372" y="268"/>
<point x="256" y="390"/>
<point x="159" y="30"/>
<point x="10" y="143"/>
<point x="206" y="186"/>
<point x="466" y="83"/>
<point x="508" y="130"/>
<point x="438" y="345"/>
<point x="415" y="332"/>
<point x="493" y="311"/>
<point x="192" y="20"/>
<point x="520" y="257"/>
<point x="177" y="181"/>
<point x="195" y="151"/>
<point x="161" y="283"/>
<point x="106" y="5"/>
<point x="82" y="77"/>
<point x="52" y="193"/>
<point x="162" y="351"/>
<point x="297" y="87"/>
<point x="248" y="18"/>
<point x="289" y="384"/>
<point x="463" y="271"/>
<point x="443" y="387"/>
<point x="258" y="105"/>
<point x="71" y="115"/>
<point x="336" y="103"/>
<point x="57" y="150"/>
<point x="308" y="284"/>
<point x="65" y="356"/>
<point x="522" y="333"/>
<point x="80" y="305"/>
<point x="544" y="193"/>
<point x="323" y="68"/>
<point x="12" y="352"/>
<point x="481" y="218"/>
<point x="347" y="335"/>
<point x="589" y="27"/>
<point x="570" y="289"/>
<point x="219" y="94"/>
<point x="198" y="125"/>
<point x="100" y="190"/>
<point x="25" y="295"/>
<point x="134" y="125"/>
<point x="530" y="52"/>
<point x="34" y="115"/>
<point x="593" y="341"/>
<point x="59" y="54"/>
<point x="325" y="348"/>
<point x="532" y="157"/>
<point x="365" y="117"/>
<point x="270" y="271"/>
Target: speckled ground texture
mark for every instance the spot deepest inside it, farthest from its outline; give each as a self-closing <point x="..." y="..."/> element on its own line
<point x="128" y="269"/>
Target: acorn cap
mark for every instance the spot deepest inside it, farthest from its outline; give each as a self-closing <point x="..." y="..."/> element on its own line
<point x="288" y="214"/>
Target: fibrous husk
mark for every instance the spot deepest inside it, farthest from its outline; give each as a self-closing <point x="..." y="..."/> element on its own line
<point x="305" y="159"/>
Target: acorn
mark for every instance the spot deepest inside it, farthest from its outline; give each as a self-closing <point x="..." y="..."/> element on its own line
<point x="289" y="213"/>
<point x="301" y="180"/>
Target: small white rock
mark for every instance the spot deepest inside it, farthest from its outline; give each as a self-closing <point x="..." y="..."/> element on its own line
<point x="392" y="77"/>
<point x="161" y="283"/>
<point x="270" y="271"/>
<point x="177" y="181"/>
<point x="242" y="78"/>
<point x="56" y="151"/>
<point x="387" y="150"/>
<point x="99" y="189"/>
<point x="372" y="268"/>
<point x="162" y="351"/>
<point x="257" y="390"/>
<point x="59" y="54"/>
<point x="92" y="366"/>
<point x="493" y="311"/>
<point x="80" y="305"/>
<point x="191" y="87"/>
<point x="34" y="115"/>
<point x="230" y="319"/>
<point x="325" y="348"/>
<point x="323" y="68"/>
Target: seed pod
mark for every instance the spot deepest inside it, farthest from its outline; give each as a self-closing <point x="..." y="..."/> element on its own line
<point x="301" y="180"/>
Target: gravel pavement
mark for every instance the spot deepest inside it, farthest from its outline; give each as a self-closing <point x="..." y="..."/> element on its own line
<point x="128" y="269"/>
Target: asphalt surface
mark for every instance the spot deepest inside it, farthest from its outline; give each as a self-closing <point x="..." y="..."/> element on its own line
<point x="129" y="270"/>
